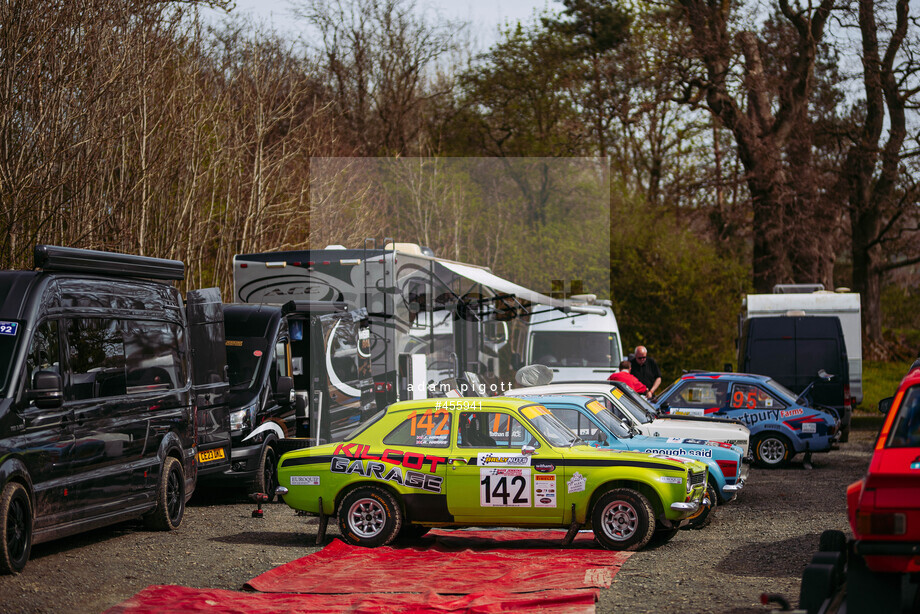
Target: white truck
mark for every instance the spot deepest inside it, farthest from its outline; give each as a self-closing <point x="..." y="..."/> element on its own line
<point x="577" y="346"/>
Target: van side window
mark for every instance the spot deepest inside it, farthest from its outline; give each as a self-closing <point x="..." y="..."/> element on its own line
<point x="96" y="352"/>
<point x="45" y="351"/>
<point x="153" y="357"/>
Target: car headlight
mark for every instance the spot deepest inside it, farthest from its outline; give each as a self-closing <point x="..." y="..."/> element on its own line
<point x="689" y="487"/>
<point x="242" y="418"/>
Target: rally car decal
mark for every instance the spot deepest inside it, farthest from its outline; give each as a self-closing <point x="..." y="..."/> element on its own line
<point x="373" y="469"/>
<point x="504" y="487"/>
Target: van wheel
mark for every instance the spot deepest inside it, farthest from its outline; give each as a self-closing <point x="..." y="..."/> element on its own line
<point x="15" y="528"/>
<point x="623" y="519"/>
<point x="772" y="450"/>
<point x="170" y="497"/>
<point x="266" y="480"/>
<point x="369" y="516"/>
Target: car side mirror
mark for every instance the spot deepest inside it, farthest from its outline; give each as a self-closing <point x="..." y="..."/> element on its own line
<point x="884" y="405"/>
<point x="528" y="449"/>
<point x="664" y="408"/>
<point x="284" y="390"/>
<point x="825" y="375"/>
<point x="600" y="437"/>
<point x="47" y="390"/>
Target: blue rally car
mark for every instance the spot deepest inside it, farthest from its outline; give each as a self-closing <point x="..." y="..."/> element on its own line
<point x="781" y="424"/>
<point x="598" y="426"/>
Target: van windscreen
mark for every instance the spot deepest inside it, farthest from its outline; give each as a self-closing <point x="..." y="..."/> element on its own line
<point x="245" y="358"/>
<point x="573" y="349"/>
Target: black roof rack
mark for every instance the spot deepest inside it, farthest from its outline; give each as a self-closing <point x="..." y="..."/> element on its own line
<point x="71" y="259"/>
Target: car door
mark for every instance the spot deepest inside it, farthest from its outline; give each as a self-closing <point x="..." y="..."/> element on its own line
<point x="492" y="481"/>
<point x="414" y="455"/>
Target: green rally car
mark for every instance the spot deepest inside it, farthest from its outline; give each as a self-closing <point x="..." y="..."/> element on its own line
<point x="487" y="462"/>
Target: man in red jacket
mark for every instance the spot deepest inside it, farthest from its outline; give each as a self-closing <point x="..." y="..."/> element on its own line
<point x="623" y="375"/>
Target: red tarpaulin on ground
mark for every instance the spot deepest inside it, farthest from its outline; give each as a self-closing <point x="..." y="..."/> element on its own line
<point x="339" y="568"/>
<point x="179" y="599"/>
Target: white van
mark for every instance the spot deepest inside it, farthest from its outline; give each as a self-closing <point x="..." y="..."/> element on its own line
<point x="576" y="346"/>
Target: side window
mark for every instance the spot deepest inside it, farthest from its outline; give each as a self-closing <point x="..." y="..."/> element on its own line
<point x="96" y="355"/>
<point x="429" y="428"/>
<point x="153" y="357"/>
<point x="45" y="351"/>
<point x="748" y="396"/>
<point x="700" y="393"/>
<point x="491" y="430"/>
<point x="281" y="359"/>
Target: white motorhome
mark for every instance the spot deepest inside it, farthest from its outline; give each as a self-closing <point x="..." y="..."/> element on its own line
<point x="842" y="303"/>
<point x="577" y="346"/>
<point x="431" y="319"/>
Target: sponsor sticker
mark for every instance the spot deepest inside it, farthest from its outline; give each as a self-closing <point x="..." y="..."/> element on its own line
<point x="545" y="467"/>
<point x="545" y="490"/>
<point x="534" y="411"/>
<point x="304" y="480"/>
<point x="790" y="413"/>
<point x="576" y="483"/>
<point x="9" y="328"/>
<point x="504" y="487"/>
<point x="675" y="440"/>
<point x="488" y="459"/>
<point x="670" y="480"/>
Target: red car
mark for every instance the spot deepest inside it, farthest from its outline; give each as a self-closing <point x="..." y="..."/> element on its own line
<point x="884" y="507"/>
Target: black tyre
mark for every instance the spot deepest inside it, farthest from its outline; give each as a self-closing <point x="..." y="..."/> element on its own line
<point x="703" y="516"/>
<point x="266" y="480"/>
<point x="772" y="450"/>
<point x="170" y="497"/>
<point x="832" y="541"/>
<point x="16" y="527"/>
<point x="622" y="519"/>
<point x="369" y="516"/>
<point x="662" y="536"/>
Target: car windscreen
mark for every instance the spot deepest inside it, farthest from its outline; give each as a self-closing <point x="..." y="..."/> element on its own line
<point x="7" y="345"/>
<point x="549" y="426"/>
<point x="609" y="421"/>
<point x="245" y="362"/>
<point x="573" y="349"/>
<point x="634" y="404"/>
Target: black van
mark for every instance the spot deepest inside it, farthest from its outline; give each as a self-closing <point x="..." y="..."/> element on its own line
<point x="283" y="395"/>
<point x="98" y="390"/>
<point x="792" y="349"/>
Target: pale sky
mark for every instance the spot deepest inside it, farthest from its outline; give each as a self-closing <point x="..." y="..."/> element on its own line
<point x="485" y="16"/>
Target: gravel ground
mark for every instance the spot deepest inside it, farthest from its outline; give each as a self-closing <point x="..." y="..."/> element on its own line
<point x="760" y="542"/>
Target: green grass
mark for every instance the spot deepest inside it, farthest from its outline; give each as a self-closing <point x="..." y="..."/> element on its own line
<point x="880" y="380"/>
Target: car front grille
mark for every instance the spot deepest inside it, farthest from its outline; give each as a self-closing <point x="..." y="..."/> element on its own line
<point x="697" y="478"/>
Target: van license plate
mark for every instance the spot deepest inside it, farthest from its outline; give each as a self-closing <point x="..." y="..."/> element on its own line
<point x="211" y="455"/>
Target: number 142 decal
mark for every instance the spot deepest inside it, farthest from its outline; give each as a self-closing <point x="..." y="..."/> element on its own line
<point x="504" y="487"/>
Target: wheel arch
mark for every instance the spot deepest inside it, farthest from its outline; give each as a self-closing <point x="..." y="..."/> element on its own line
<point x="363" y="484"/>
<point x="646" y="489"/>
<point x="13" y="469"/>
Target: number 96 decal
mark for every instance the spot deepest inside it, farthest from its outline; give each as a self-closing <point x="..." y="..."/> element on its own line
<point x="504" y="487"/>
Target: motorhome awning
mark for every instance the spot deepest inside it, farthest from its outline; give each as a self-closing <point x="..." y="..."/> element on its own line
<point x="501" y="286"/>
